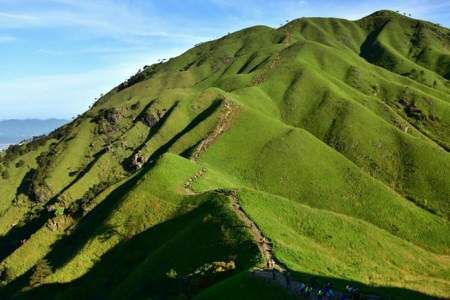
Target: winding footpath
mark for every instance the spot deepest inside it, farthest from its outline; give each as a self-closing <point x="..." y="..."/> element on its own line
<point x="229" y="111"/>
<point x="264" y="245"/>
<point x="267" y="272"/>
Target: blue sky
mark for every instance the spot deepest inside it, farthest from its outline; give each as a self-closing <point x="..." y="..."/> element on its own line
<point x="56" y="56"/>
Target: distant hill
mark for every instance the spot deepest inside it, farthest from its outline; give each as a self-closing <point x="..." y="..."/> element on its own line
<point x="15" y="130"/>
<point x="323" y="144"/>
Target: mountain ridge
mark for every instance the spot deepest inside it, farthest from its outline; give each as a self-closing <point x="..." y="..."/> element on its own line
<point x="334" y="135"/>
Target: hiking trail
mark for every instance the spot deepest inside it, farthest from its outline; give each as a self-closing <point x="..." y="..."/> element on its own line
<point x="294" y="287"/>
<point x="264" y="245"/>
<point x="223" y="124"/>
<point x="262" y="75"/>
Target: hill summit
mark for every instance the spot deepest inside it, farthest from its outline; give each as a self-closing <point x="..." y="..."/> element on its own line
<point x="321" y="146"/>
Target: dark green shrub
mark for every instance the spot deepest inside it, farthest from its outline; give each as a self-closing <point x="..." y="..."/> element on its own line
<point x="5" y="174"/>
<point x="78" y="207"/>
<point x="41" y="271"/>
<point x="135" y="106"/>
<point x="5" y="275"/>
<point x="147" y="73"/>
<point x="20" y="163"/>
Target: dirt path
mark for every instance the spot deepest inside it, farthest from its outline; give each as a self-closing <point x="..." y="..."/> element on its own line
<point x="188" y="184"/>
<point x="265" y="246"/>
<point x="280" y="272"/>
<point x="261" y="76"/>
<point x="282" y="277"/>
<point x="224" y="123"/>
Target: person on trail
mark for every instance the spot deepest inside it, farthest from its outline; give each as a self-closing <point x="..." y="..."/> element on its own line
<point x="288" y="281"/>
<point x="329" y="294"/>
<point x="308" y="291"/>
<point x="347" y="293"/>
<point x="320" y="294"/>
<point x="274" y="274"/>
<point x="272" y="261"/>
<point x="301" y="288"/>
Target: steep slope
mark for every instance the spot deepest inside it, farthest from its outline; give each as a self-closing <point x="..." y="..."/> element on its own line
<point x="333" y="135"/>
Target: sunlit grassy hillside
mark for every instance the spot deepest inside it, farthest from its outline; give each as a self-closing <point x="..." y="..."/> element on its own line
<point x="333" y="136"/>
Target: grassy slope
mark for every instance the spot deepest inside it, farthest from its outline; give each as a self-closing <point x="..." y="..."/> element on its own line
<point x="336" y="124"/>
<point x="312" y="240"/>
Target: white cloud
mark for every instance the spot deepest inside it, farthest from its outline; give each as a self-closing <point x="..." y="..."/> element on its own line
<point x="17" y="20"/>
<point x="7" y="39"/>
<point x="104" y="17"/>
<point x="64" y="95"/>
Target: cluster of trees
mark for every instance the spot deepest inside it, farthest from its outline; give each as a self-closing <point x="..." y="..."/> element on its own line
<point x="33" y="184"/>
<point x="403" y="13"/>
<point x="111" y="115"/>
<point x="107" y="122"/>
<point x="145" y="73"/>
<point x="79" y="207"/>
<point x="4" y="174"/>
<point x="5" y="275"/>
<point x="41" y="271"/>
<point x="135" y="106"/>
<point x="61" y="132"/>
<point x="20" y="163"/>
<point x="41" y="191"/>
<point x="75" y="209"/>
<point x="17" y="150"/>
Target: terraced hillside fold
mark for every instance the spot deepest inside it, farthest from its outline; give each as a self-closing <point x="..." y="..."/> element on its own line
<point x="331" y="136"/>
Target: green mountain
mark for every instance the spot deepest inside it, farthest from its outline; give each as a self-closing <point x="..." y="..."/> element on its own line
<point x="329" y="138"/>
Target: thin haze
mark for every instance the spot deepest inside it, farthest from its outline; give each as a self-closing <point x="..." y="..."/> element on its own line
<point x="58" y="55"/>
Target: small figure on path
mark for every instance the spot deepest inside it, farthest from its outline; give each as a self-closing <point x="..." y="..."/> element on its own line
<point x="348" y="292"/>
<point x="329" y="294"/>
<point x="320" y="294"/>
<point x="301" y="287"/>
<point x="308" y="291"/>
